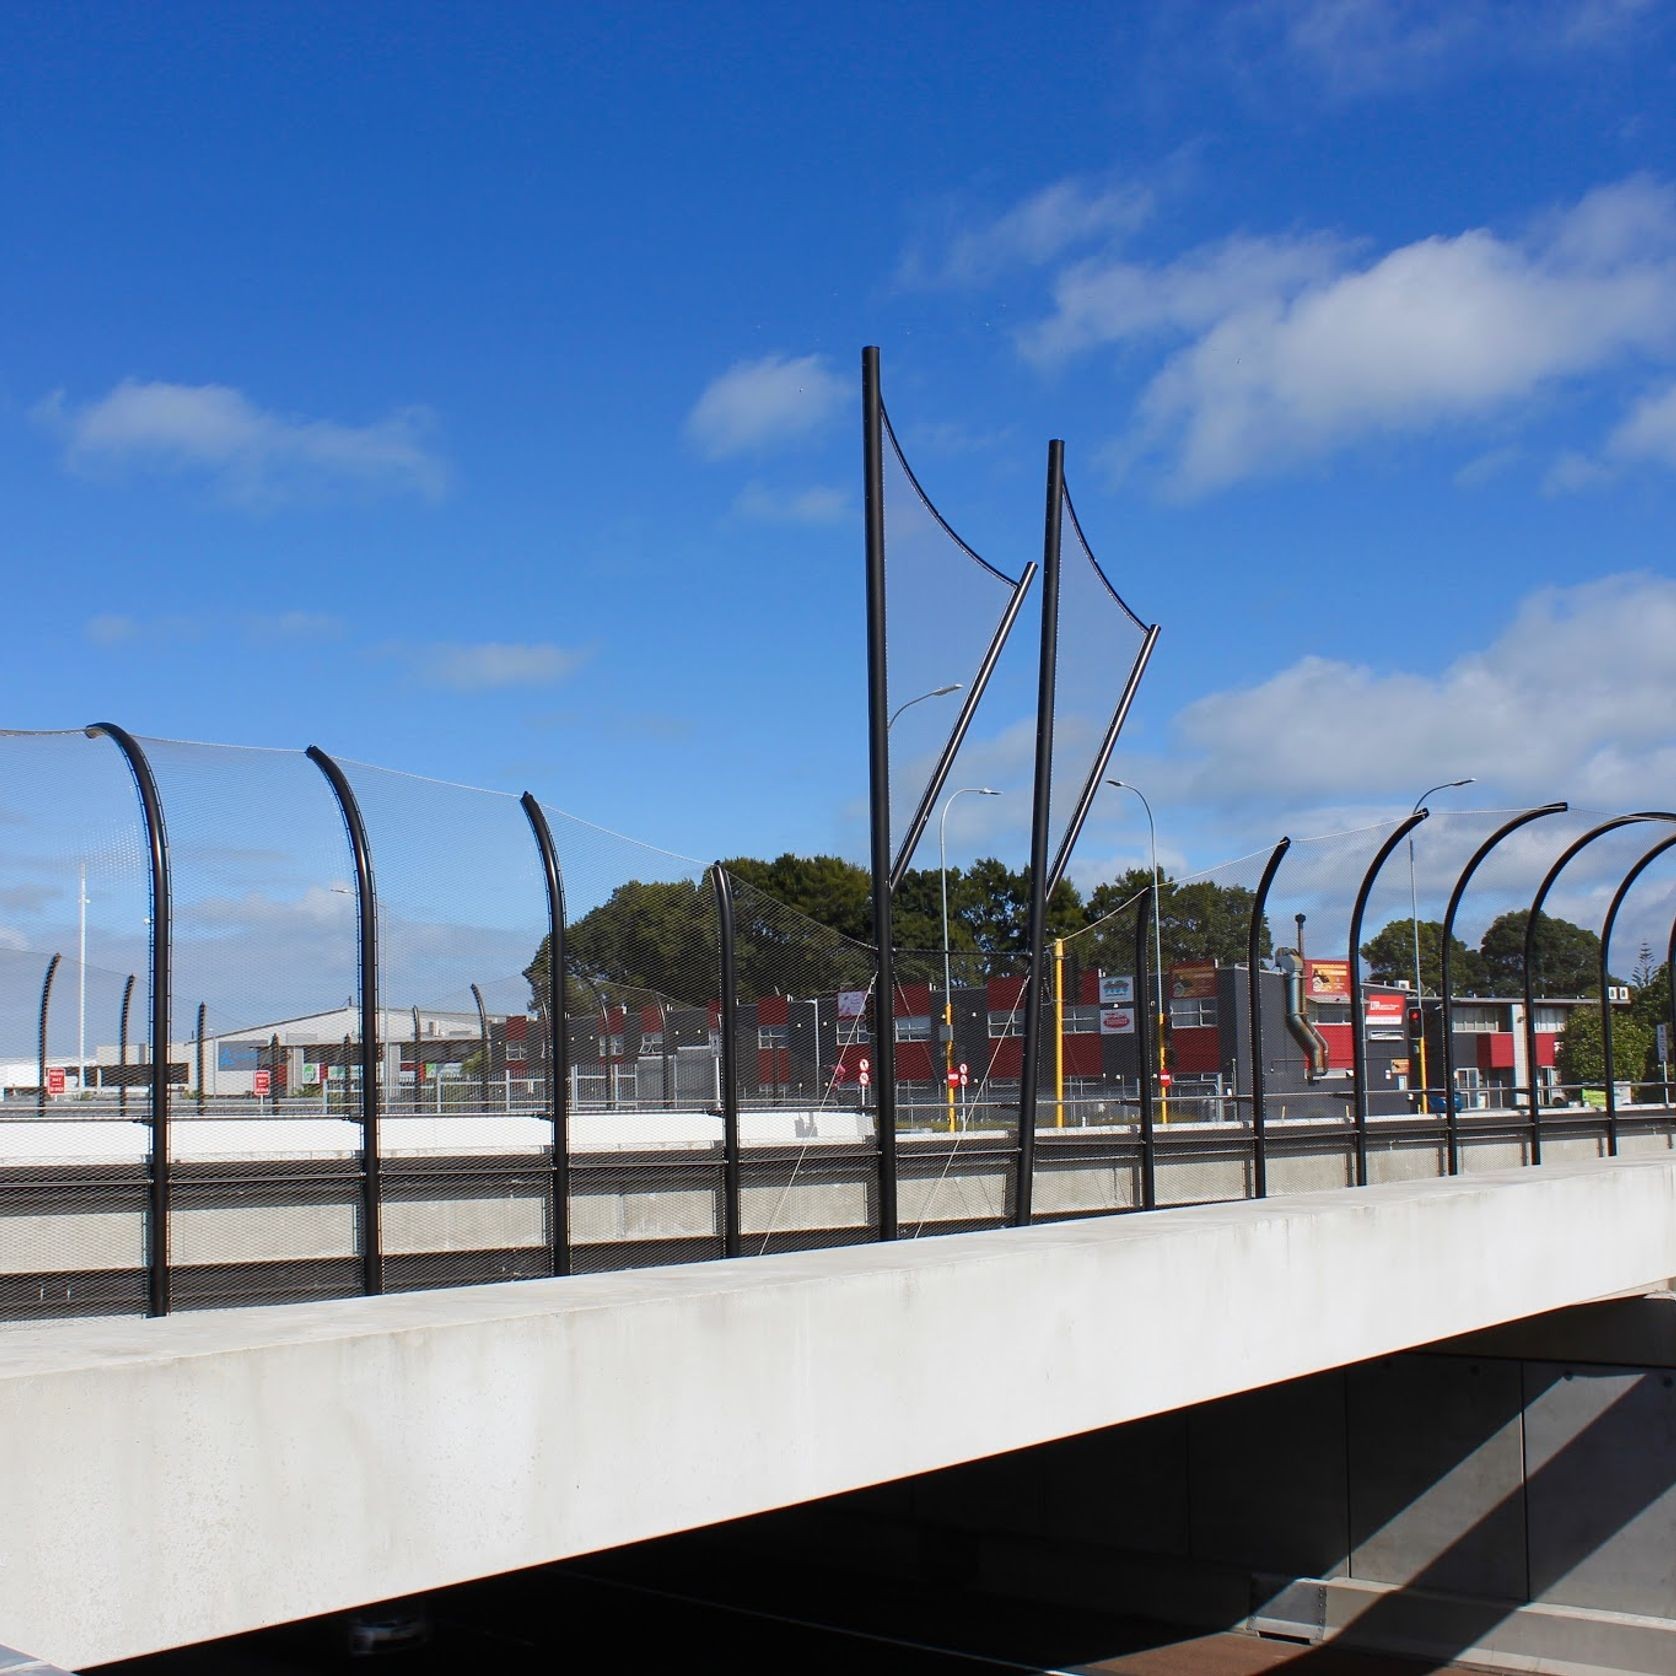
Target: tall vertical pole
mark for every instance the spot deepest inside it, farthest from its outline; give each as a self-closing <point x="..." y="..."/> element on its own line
<point x="878" y="739"/>
<point x="558" y="1046"/>
<point x="366" y="904"/>
<point x="81" y="982"/>
<point x="1446" y="1017"/>
<point x="1059" y="1032"/>
<point x="482" y="1048"/>
<point x="1047" y="673"/>
<point x="1254" y="999"/>
<point x="198" y="1059"/>
<point x="1143" y="1064"/>
<point x="41" y="1056"/>
<point x="162" y="930"/>
<point x="1358" y="1025"/>
<point x="729" y="978"/>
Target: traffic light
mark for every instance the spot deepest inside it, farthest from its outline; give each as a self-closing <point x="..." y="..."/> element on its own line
<point x="1416" y="1029"/>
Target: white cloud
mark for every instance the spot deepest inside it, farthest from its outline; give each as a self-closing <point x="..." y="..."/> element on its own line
<point x="1037" y="229"/>
<point x="1575" y="698"/>
<point x="817" y="505"/>
<point x="1649" y="433"/>
<point x="756" y="405"/>
<point x="492" y="664"/>
<point x="251" y="454"/>
<point x="1295" y="364"/>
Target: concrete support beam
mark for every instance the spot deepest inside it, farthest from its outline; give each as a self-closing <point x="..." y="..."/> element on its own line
<point x="169" y="1481"/>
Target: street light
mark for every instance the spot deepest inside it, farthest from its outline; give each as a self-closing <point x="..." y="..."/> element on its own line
<point x="936" y="692"/>
<point x="1414" y="921"/>
<point x="1157" y="940"/>
<point x="948" y="990"/>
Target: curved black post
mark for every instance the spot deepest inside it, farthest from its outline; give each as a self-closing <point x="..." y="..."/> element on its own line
<point x="198" y="1058"/>
<point x="122" y="1045"/>
<point x="1670" y="996"/>
<point x="1047" y="674"/>
<point x="482" y="1048"/>
<point x="558" y="1043"/>
<point x="1358" y="1025"/>
<point x="366" y="904"/>
<point x="418" y="1062"/>
<point x="162" y="933"/>
<point x="878" y="751"/>
<point x="1605" y="1001"/>
<point x="730" y="1079"/>
<point x="1253" y="954"/>
<point x="1572" y="849"/>
<point x="41" y="1057"/>
<point x="1144" y="1050"/>
<point x="1446" y="1003"/>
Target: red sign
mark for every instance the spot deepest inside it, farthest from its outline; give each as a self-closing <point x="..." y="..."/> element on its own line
<point x="1327" y="980"/>
<point x="866" y="1066"/>
<point x="1387" y="1009"/>
<point x="839" y="1072"/>
<point x="864" y="1079"/>
<point x="262" y="1081"/>
<point x="1193" y="982"/>
<point x="955" y="1079"/>
<point x="1165" y="1079"/>
<point x="55" y="1080"/>
<point x="964" y="1067"/>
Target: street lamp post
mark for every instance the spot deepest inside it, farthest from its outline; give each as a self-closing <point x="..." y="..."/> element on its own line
<point x="1414" y="921"/>
<point x="948" y="989"/>
<point x="936" y="692"/>
<point x="1157" y="943"/>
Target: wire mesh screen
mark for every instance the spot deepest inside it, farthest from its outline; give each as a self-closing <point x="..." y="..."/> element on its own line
<point x="1099" y="641"/>
<point x="263" y="967"/>
<point x="1098" y="1065"/>
<point x="803" y="1064"/>
<point x="465" y="1136"/>
<point x="944" y="606"/>
<point x="75" y="1038"/>
<point x="643" y="1072"/>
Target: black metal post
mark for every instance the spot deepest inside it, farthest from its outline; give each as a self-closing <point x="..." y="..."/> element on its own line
<point x="1670" y="997"/>
<point x="1047" y="677"/>
<point x="968" y="709"/>
<point x="482" y="1049"/>
<point x="41" y="1057"/>
<point x="418" y="1063"/>
<point x="878" y="739"/>
<point x="1605" y="1000"/>
<point x="198" y="1059"/>
<point x="1144" y="1051"/>
<point x="1253" y="955"/>
<point x="162" y="931"/>
<point x="1358" y="1025"/>
<point x="558" y="1033"/>
<point x="730" y="1078"/>
<point x="122" y="1045"/>
<point x="1574" y="848"/>
<point x="366" y="905"/>
<point x="1446" y="1003"/>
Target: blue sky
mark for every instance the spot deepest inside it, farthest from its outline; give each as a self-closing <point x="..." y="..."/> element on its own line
<point x="472" y="390"/>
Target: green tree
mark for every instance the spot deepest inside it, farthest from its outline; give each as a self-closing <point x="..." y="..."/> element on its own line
<point x="1567" y="957"/>
<point x="1199" y="921"/>
<point x="1388" y="957"/>
<point x="1650" y="1005"/>
<point x="1582" y="1054"/>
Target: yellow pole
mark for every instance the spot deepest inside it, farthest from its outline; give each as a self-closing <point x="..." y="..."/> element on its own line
<point x="1421" y="1107"/>
<point x="1163" y="1087"/>
<point x="948" y="1054"/>
<point x="1059" y="1032"/>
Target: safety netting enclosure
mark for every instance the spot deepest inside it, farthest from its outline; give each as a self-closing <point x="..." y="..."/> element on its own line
<point x="78" y="1065"/>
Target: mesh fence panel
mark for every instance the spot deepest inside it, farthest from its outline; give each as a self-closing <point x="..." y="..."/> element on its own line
<point x="265" y="1161"/>
<point x="943" y="606"/>
<point x="803" y="1059"/>
<point x="75" y="1145"/>
<point x="1099" y="639"/>
<point x="466" y="1140"/>
<point x="642" y="1006"/>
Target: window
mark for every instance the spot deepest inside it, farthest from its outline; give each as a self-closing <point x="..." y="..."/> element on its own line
<point x="1551" y="1020"/>
<point x="1329" y="1012"/>
<point x="651" y="1041"/>
<point x="1477" y="1021"/>
<point x="515" y="1051"/>
<point x="771" y="1036"/>
<point x="914" y="1029"/>
<point x="1195" y="1012"/>
<point x="1008" y="1023"/>
<point x="853" y="1033"/>
<point x="1082" y="1021"/>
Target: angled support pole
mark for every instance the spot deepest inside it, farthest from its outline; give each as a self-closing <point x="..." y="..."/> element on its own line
<point x="162" y="933"/>
<point x="558" y="1045"/>
<point x="366" y="906"/>
<point x="1605" y="999"/>
<point x="1253" y="955"/>
<point x="1446" y="1004"/>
